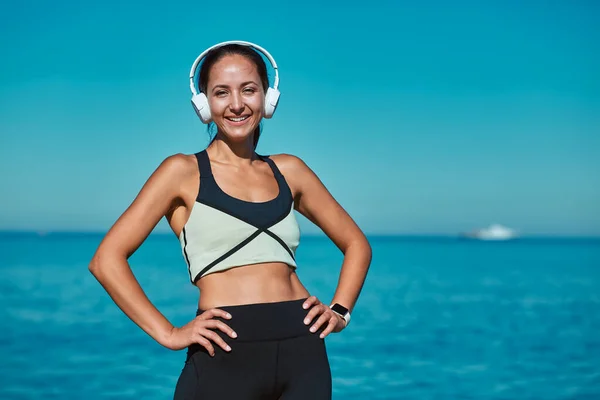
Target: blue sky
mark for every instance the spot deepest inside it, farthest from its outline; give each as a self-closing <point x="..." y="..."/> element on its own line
<point x="435" y="117"/>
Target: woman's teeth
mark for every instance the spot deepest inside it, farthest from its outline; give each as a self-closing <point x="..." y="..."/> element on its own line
<point x="237" y="119"/>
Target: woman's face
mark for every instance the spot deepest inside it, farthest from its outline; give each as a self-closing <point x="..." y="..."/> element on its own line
<point x="235" y="96"/>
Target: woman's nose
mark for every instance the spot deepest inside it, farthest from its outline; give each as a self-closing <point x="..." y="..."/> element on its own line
<point x="236" y="105"/>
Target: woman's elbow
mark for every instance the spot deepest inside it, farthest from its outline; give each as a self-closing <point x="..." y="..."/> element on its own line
<point x="360" y="245"/>
<point x="367" y="249"/>
<point x="95" y="265"/>
<point x="101" y="263"/>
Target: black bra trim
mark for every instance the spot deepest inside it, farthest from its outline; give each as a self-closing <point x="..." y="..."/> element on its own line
<point x="187" y="259"/>
<point x="240" y="246"/>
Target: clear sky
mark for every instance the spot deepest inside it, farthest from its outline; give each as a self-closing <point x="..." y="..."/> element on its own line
<point x="434" y="117"/>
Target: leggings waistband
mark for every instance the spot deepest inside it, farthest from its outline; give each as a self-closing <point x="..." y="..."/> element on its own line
<point x="266" y="321"/>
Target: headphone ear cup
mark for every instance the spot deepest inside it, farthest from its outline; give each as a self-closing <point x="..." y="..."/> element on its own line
<point x="200" y="104"/>
<point x="271" y="100"/>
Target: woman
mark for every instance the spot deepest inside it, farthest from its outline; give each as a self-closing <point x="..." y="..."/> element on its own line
<point x="258" y="333"/>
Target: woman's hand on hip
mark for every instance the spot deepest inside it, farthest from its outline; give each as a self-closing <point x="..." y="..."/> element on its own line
<point x="200" y="330"/>
<point x="328" y="319"/>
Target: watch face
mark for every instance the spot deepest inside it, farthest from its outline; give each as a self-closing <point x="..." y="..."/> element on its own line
<point x="339" y="309"/>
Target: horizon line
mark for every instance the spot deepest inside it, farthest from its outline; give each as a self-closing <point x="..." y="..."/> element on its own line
<point x="459" y="235"/>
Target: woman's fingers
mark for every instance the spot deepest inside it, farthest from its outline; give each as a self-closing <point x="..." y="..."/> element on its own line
<point x="312" y="314"/>
<point x="202" y="341"/>
<point x="325" y="317"/>
<point x="330" y="327"/>
<point x="311" y="301"/>
<point x="216" y="324"/>
<point x="328" y="321"/>
<point x="206" y="337"/>
<point x="215" y="338"/>
<point x="214" y="312"/>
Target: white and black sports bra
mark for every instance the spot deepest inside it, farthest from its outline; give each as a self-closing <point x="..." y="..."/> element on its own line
<point x="224" y="232"/>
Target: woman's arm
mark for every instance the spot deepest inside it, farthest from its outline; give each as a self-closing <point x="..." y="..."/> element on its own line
<point x="109" y="264"/>
<point x="314" y="201"/>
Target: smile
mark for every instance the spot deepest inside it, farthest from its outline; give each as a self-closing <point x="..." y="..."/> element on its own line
<point x="238" y="119"/>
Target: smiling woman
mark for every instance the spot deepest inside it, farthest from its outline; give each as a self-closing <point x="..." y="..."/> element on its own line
<point x="237" y="93"/>
<point x="258" y="333"/>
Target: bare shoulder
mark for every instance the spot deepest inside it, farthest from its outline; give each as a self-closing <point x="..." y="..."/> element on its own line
<point x="174" y="173"/>
<point x="298" y="175"/>
<point x="289" y="164"/>
<point x="179" y="165"/>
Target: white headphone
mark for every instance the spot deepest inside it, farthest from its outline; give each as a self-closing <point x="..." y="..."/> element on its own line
<point x="199" y="100"/>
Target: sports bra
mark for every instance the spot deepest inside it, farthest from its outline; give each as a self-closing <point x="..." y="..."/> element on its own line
<point x="224" y="232"/>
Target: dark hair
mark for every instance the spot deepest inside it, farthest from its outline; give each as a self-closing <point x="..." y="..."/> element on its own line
<point x="230" y="49"/>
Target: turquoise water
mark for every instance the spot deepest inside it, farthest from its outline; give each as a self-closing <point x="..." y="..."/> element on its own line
<point x="438" y="318"/>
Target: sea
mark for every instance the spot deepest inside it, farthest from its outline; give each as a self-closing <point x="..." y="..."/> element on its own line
<point x="438" y="318"/>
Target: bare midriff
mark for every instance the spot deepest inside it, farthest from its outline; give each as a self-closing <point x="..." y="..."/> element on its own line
<point x="250" y="284"/>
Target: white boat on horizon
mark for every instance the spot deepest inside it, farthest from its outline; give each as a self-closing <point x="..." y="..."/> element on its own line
<point x="492" y="232"/>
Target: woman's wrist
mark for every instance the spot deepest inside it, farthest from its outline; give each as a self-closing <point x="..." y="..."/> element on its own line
<point x="342" y="312"/>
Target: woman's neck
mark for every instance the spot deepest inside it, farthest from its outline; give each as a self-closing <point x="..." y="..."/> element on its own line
<point x="241" y="153"/>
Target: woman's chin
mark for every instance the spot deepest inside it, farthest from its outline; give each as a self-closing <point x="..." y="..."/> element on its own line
<point x="235" y="136"/>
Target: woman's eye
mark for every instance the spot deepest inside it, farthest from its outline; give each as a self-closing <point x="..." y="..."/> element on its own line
<point x="249" y="90"/>
<point x="220" y="93"/>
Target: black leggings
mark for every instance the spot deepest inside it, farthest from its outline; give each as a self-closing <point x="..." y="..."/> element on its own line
<point x="275" y="357"/>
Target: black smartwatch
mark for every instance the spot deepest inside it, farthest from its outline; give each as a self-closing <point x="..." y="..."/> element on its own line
<point x="341" y="311"/>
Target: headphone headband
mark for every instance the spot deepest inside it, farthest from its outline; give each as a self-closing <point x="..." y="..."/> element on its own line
<point x="240" y="42"/>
